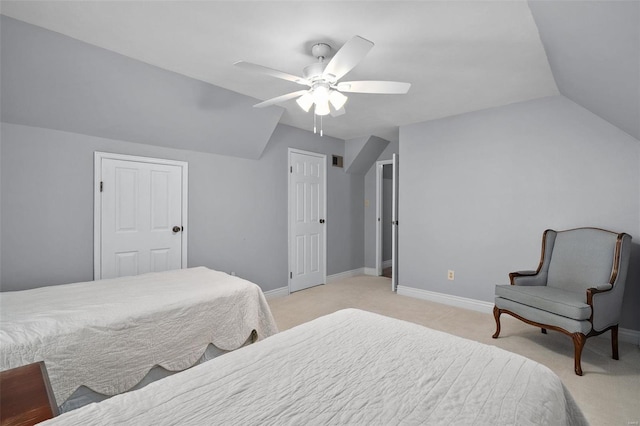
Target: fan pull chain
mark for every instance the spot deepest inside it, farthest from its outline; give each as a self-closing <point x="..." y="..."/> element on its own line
<point x="315" y="127"/>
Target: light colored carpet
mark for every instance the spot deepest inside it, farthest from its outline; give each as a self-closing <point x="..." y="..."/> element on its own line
<point x="608" y="393"/>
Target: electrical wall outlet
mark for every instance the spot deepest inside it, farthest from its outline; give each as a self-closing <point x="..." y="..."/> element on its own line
<point x="450" y="275"/>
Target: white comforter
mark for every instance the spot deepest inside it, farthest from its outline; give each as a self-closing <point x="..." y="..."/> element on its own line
<point x="350" y="367"/>
<point x="108" y="334"/>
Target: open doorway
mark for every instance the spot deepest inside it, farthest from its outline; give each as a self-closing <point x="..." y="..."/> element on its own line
<point x="386" y="220"/>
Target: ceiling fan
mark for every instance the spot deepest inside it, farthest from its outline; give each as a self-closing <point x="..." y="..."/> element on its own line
<point x="325" y="91"/>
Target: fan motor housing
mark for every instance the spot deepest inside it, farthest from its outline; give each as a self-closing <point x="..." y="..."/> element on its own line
<point x="320" y="50"/>
<point x="313" y="71"/>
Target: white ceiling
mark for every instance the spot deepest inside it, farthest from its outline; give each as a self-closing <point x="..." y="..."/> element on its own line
<point x="459" y="56"/>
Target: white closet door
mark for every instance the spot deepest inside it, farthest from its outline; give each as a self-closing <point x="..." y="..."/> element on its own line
<point x="307" y="220"/>
<point x="141" y="218"/>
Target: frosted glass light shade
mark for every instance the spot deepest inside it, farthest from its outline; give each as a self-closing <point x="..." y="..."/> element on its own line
<point x="322" y="108"/>
<point x="305" y="101"/>
<point x="320" y="94"/>
<point x="337" y="99"/>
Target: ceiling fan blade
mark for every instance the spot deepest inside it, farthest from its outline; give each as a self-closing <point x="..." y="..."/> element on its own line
<point x="347" y="58"/>
<point x="337" y="112"/>
<point x="381" y="87"/>
<point x="279" y="99"/>
<point x="270" y="71"/>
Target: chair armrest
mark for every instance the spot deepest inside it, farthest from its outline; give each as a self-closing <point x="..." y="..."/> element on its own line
<point x="602" y="288"/>
<point x="605" y="301"/>
<point x="525" y="278"/>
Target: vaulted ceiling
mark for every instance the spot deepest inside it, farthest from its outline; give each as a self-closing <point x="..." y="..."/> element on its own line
<point x="459" y="56"/>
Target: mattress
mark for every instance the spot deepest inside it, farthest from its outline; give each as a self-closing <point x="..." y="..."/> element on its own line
<point x="107" y="335"/>
<point x="350" y="367"/>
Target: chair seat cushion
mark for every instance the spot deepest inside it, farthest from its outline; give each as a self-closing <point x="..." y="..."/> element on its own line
<point x="569" y="304"/>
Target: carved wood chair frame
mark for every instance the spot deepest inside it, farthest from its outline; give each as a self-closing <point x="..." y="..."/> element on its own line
<point x="579" y="339"/>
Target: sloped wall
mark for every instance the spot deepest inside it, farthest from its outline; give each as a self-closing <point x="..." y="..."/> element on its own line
<point x="361" y="153"/>
<point x="63" y="99"/>
<point x="593" y="49"/>
<point x="53" y="81"/>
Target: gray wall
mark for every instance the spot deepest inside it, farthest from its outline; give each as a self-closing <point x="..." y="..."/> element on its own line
<point x="370" y="211"/>
<point x="63" y="99"/>
<point x="477" y="191"/>
<point x="237" y="207"/>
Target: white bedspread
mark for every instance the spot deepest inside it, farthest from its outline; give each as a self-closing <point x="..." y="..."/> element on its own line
<point x="350" y="367"/>
<point x="108" y="334"/>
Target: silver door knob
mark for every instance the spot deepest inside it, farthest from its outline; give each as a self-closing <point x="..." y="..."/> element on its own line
<point x="177" y="229"/>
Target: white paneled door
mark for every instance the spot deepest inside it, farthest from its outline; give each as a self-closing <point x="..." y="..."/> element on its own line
<point x="307" y="195"/>
<point x="141" y="216"/>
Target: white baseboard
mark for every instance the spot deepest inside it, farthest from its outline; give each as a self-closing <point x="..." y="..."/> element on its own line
<point x="370" y="271"/>
<point x="624" y="334"/>
<point x="284" y="291"/>
<point x="446" y="299"/>
<point x="374" y="272"/>
<point x="628" y="335"/>
<point x="344" y="275"/>
<point x="278" y="292"/>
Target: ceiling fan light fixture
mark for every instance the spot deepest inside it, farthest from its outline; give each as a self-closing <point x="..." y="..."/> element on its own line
<point x="322" y="108"/>
<point x="305" y="101"/>
<point x="337" y="99"/>
<point x="321" y="94"/>
<point x="325" y="91"/>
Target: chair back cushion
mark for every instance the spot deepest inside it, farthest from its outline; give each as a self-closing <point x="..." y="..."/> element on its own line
<point x="582" y="258"/>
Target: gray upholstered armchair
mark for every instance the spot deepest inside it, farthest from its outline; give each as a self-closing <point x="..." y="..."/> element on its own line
<point x="576" y="290"/>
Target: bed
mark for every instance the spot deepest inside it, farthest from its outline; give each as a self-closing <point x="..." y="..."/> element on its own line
<point x="102" y="338"/>
<point x="350" y="367"/>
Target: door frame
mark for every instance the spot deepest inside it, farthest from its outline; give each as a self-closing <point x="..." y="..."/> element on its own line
<point x="379" y="176"/>
<point x="323" y="157"/>
<point x="394" y="218"/>
<point x="97" y="202"/>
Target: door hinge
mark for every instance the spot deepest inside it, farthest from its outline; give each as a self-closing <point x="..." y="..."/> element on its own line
<point x="290" y="274"/>
<point x="101" y="186"/>
<point x="290" y="169"/>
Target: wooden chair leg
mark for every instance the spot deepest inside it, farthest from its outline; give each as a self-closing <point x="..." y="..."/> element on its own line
<point x="496" y="315"/>
<point x="614" y="341"/>
<point x="544" y="330"/>
<point x="579" y="340"/>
